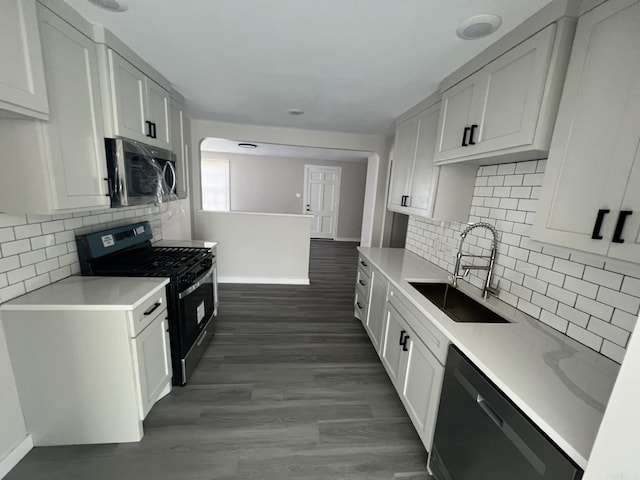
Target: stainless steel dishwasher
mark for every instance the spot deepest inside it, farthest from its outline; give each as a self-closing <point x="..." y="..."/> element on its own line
<point x="481" y="434"/>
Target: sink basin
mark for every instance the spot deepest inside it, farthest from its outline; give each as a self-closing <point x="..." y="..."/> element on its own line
<point x="457" y="305"/>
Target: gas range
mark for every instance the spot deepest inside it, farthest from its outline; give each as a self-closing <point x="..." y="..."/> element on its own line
<point x="192" y="295"/>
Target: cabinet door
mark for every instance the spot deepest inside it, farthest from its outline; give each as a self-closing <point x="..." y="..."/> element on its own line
<point x="459" y="110"/>
<point x="515" y="85"/>
<point x="376" y="310"/>
<point x="22" y="81"/>
<point x="596" y="135"/>
<point x="158" y="113"/>
<point x="421" y="384"/>
<point x="77" y="164"/>
<point x="392" y="354"/>
<point x="630" y="249"/>
<point x="403" y="155"/>
<point x="153" y="363"/>
<point x="425" y="174"/>
<point x="129" y="99"/>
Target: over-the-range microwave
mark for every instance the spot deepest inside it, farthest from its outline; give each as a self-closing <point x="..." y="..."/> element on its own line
<point x="139" y="174"/>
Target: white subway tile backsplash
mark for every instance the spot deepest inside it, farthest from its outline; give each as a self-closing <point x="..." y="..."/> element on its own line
<point x="21" y="274"/>
<point x="619" y="300"/>
<point x="606" y="330"/>
<point x="613" y="351"/>
<point x="584" y="336"/>
<point x="43" y="241"/>
<point x="526" y="167"/>
<point x="7" y="235"/>
<point x="53" y="226"/>
<point x="553" y="320"/>
<point x="12" y="291"/>
<point x="37" y="282"/>
<point x="580" y="286"/>
<point x="56" y="250"/>
<point x="9" y="263"/>
<point x="60" y="273"/>
<point x="592" y="299"/>
<point x="12" y="220"/>
<point x="32" y="257"/>
<point x="573" y="315"/>
<point x="568" y="268"/>
<point x="594" y="308"/>
<point x="26" y="231"/>
<point x="15" y="247"/>
<point x="624" y="320"/>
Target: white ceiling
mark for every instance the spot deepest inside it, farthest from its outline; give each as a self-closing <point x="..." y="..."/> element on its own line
<point x="351" y="65"/>
<point x="220" y="145"/>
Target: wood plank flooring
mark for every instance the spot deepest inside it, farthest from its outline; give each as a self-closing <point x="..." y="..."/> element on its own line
<point x="289" y="388"/>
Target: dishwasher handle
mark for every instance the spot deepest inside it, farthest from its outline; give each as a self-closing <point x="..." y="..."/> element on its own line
<point x="488" y="409"/>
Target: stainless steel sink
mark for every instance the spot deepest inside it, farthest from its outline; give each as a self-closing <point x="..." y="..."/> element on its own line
<point x="457" y="305"/>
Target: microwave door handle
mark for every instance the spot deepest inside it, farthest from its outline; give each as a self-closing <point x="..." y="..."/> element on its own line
<point x="173" y="177"/>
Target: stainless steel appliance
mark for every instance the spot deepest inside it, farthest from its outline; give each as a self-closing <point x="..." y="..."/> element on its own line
<point x="481" y="434"/>
<point x="191" y="293"/>
<point x="139" y="174"/>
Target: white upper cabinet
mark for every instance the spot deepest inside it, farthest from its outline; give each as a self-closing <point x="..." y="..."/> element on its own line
<point x="58" y="165"/>
<point x="139" y="105"/>
<point x="179" y="145"/>
<point x="418" y="187"/>
<point x="22" y="83"/>
<point x="505" y="111"/>
<point x="590" y="198"/>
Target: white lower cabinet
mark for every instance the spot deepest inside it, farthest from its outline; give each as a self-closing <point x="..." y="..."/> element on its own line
<point x="88" y="375"/>
<point x="415" y="372"/>
<point x="375" y="309"/>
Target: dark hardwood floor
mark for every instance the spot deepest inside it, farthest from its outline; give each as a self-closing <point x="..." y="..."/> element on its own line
<point x="289" y="388"/>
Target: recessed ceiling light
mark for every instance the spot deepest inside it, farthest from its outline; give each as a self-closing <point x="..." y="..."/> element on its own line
<point x="295" y="111"/>
<point x="478" y="26"/>
<point x="248" y="145"/>
<point x="111" y="5"/>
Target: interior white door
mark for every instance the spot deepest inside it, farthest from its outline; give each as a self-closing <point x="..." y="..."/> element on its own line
<point x="321" y="196"/>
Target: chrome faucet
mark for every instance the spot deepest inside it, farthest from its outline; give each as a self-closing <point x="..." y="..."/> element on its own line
<point x="488" y="288"/>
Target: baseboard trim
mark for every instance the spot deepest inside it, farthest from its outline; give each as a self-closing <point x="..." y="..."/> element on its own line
<point x="347" y="239"/>
<point x="265" y="280"/>
<point x="15" y="455"/>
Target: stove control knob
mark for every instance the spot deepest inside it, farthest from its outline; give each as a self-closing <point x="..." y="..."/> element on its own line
<point x="206" y="263"/>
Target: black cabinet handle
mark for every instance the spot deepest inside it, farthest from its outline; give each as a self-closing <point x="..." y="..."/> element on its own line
<point x="617" y="233"/>
<point x="152" y="308"/>
<point x="402" y="334"/>
<point x="596" y="228"/>
<point x="361" y="283"/>
<point x="471" y="132"/>
<point x="363" y="263"/>
<point x="464" y="136"/>
<point x="404" y="343"/>
<point x="153" y="125"/>
<point x="358" y="305"/>
<point x="403" y="201"/>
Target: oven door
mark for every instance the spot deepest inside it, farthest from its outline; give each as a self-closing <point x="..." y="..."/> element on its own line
<point x="196" y="304"/>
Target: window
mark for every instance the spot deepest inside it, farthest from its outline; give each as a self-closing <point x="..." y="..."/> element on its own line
<point x="215" y="184"/>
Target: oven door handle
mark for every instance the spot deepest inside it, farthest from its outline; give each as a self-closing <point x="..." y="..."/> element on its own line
<point x="196" y="284"/>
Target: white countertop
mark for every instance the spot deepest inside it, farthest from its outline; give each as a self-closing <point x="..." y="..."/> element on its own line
<point x="185" y="243"/>
<point x="89" y="293"/>
<point x="560" y="384"/>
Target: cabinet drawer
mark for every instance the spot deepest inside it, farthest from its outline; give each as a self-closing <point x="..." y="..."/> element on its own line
<point x="147" y="312"/>
<point x="363" y="282"/>
<point x="365" y="265"/>
<point x="360" y="306"/>
<point x="432" y="338"/>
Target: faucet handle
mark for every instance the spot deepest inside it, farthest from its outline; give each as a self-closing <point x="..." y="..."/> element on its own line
<point x="494" y="289"/>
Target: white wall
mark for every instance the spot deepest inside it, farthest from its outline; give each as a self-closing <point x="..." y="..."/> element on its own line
<point x="375" y="203"/>
<point x="13" y="431"/>
<point x="615" y="451"/>
<point x="271" y="184"/>
<point x="258" y="247"/>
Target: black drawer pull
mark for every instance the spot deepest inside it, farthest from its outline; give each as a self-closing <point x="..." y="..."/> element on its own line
<point x="149" y="129"/>
<point x="617" y="233"/>
<point x="402" y="334"/>
<point x="464" y="136"/>
<point x="471" y="132"/>
<point x="152" y="308"/>
<point x="363" y="263"/>
<point x="358" y="305"/>
<point x="361" y="283"/>
<point x="599" y="219"/>
<point x="404" y="343"/>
